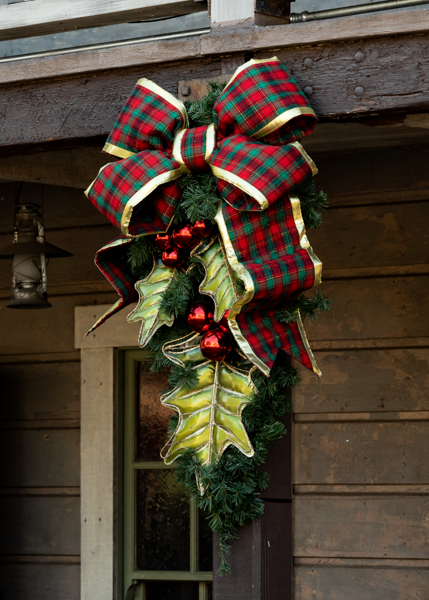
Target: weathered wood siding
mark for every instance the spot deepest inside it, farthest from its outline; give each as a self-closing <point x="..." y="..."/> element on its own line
<point x="40" y="407"/>
<point x="361" y="468"/>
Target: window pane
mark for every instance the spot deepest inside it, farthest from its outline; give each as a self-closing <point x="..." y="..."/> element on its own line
<point x="152" y="417"/>
<point x="163" y="521"/>
<point x="171" y="590"/>
<point x="210" y="591"/>
<point x="205" y="543"/>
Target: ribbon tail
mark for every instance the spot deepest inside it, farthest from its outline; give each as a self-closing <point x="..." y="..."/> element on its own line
<point x="271" y="254"/>
<point x="111" y="260"/>
<point x="266" y="336"/>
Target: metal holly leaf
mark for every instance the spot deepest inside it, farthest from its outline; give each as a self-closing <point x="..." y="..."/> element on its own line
<point x="209" y="414"/>
<point x="220" y="281"/>
<point x="148" y="309"/>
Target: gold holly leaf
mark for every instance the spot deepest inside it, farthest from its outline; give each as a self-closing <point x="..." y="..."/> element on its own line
<point x="220" y="281"/>
<point x="210" y="413"/>
<point x="148" y="309"/>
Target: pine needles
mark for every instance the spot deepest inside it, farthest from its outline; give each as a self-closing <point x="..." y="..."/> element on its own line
<point x="200" y="112"/>
<point x="308" y="308"/>
<point x="199" y="198"/>
<point x="312" y="203"/>
<point x="232" y="487"/>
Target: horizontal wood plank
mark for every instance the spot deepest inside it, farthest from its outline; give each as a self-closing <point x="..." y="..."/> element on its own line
<point x="363" y="417"/>
<point x="43" y="17"/>
<point x="97" y="101"/>
<point x="41" y="391"/>
<point x="373" y="308"/>
<point x="371" y="343"/>
<point x="389" y="64"/>
<point x="45" y="330"/>
<point x="362" y="489"/>
<point x="361" y="527"/>
<point x="43" y="525"/>
<point x="372" y="236"/>
<point x="374" y="175"/>
<point x="35" y="358"/>
<point x="45" y="457"/>
<point x="40" y="491"/>
<point x="72" y="168"/>
<point x="28" y="581"/>
<point x="361" y="453"/>
<point x="325" y="582"/>
<point x="223" y="40"/>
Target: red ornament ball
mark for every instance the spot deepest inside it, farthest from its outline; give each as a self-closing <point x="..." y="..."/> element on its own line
<point x="173" y="258"/>
<point x="200" y="317"/>
<point x="184" y="238"/>
<point x="223" y="323"/>
<point x="202" y="229"/>
<point x="163" y="241"/>
<point x="215" y="345"/>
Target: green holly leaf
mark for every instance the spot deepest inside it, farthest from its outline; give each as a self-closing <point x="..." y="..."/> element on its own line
<point x="210" y="414"/>
<point x="221" y="282"/>
<point x="148" y="309"/>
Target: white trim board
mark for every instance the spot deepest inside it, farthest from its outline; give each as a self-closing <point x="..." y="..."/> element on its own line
<point x="98" y="454"/>
<point x="116" y="332"/>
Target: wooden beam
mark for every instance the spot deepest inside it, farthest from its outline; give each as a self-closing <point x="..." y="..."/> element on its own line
<point x="221" y="41"/>
<point x="42" y="17"/>
<point x="343" y="81"/>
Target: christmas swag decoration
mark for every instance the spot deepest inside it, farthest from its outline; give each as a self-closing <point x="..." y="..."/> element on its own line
<point x="212" y="198"/>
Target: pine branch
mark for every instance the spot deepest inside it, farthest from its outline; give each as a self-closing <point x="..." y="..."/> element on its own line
<point x="140" y="256"/>
<point x="308" y="307"/>
<point x="183" y="376"/>
<point x="232" y="486"/>
<point x="312" y="203"/>
<point x="200" y="112"/>
<point x="180" y="293"/>
<point x="199" y="198"/>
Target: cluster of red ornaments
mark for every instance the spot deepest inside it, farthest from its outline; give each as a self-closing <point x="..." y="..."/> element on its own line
<point x="176" y="245"/>
<point x="216" y="342"/>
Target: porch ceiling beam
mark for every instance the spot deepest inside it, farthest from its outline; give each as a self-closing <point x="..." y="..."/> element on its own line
<point x="222" y="40"/>
<point x="42" y="17"/>
<point x="356" y="79"/>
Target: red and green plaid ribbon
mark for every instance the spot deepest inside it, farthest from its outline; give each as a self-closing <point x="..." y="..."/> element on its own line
<point x="252" y="151"/>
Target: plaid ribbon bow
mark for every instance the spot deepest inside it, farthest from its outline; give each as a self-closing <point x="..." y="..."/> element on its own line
<point x="251" y="149"/>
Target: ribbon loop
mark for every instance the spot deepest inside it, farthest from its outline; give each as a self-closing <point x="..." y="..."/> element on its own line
<point x="264" y="102"/>
<point x="253" y="176"/>
<point x="120" y="188"/>
<point x="149" y="121"/>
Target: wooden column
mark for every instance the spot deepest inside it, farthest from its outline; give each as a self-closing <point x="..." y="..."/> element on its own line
<point x="261" y="559"/>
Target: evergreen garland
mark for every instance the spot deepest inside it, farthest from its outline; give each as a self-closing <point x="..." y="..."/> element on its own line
<point x="232" y="486"/>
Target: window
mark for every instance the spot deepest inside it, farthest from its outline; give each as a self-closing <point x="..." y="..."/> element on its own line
<point x="166" y="541"/>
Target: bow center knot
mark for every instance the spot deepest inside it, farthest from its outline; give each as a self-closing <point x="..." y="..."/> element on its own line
<point x="192" y="148"/>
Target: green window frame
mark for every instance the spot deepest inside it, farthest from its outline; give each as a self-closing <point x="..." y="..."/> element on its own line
<point x="128" y="574"/>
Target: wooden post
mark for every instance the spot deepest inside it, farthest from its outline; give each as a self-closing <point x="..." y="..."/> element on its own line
<point x="261" y="559"/>
<point x="258" y="12"/>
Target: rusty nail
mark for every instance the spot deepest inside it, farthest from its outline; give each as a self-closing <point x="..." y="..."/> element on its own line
<point x="186" y="90"/>
<point x="359" y="91"/>
<point x="308" y="90"/>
